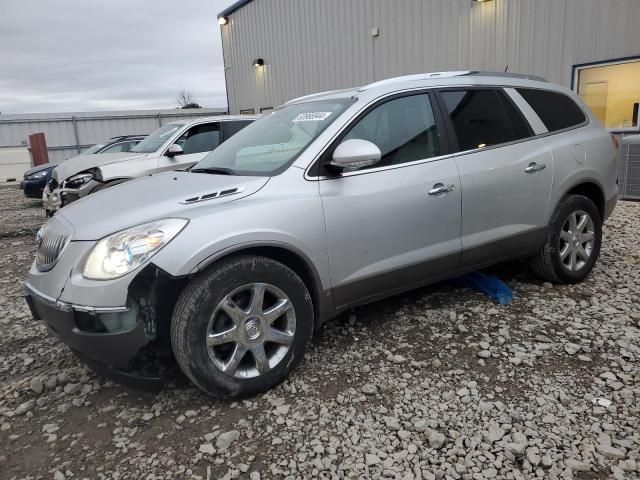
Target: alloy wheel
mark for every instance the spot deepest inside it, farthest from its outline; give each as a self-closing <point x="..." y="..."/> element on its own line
<point x="251" y="330"/>
<point x="576" y="240"/>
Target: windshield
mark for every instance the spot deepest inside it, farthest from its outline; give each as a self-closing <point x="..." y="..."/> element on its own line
<point x="93" y="149"/>
<point x="156" y="139"/>
<point x="269" y="145"/>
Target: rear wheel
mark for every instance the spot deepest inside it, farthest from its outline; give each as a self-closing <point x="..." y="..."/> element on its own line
<point x="572" y="246"/>
<point x="240" y="327"/>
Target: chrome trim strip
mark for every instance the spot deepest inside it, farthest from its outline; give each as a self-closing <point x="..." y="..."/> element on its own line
<point x="71" y="306"/>
<point x="213" y="195"/>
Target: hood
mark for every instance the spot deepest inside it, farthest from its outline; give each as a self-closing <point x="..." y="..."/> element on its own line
<point x="84" y="162"/>
<point x="39" y="168"/>
<point x="170" y="194"/>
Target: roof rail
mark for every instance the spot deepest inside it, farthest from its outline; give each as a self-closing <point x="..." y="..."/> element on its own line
<point x="525" y="76"/>
<point x="417" y="76"/>
<point x="319" y="94"/>
<point x="461" y="73"/>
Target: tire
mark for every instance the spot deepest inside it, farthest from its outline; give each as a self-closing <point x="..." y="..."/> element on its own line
<point x="216" y="317"/>
<point x="555" y="261"/>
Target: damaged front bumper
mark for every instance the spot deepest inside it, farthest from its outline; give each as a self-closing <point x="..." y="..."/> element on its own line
<point x="54" y="200"/>
<point x="109" y="335"/>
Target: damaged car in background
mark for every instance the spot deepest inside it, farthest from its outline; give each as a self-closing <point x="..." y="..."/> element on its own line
<point x="176" y="145"/>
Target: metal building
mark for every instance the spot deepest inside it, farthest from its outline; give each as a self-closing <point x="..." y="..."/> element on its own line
<point x="275" y="50"/>
<point x="68" y="134"/>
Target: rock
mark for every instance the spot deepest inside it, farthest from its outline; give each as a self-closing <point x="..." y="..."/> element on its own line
<point x="571" y="348"/>
<point x="517" y="449"/>
<point x="610" y="452"/>
<point x="398" y="359"/>
<point x="147" y="416"/>
<point x="436" y="439"/>
<point x="371" y="459"/>
<point x="58" y="475"/>
<point x="533" y="456"/>
<point x="462" y="328"/>
<point x="392" y="422"/>
<point x="72" y="388"/>
<point x="254" y="476"/>
<point x="225" y="440"/>
<point x="370" y="389"/>
<point x="484" y="353"/>
<point x="207" y="448"/>
<point x="50" y="428"/>
<point x="283" y="409"/>
<point x="577" y="465"/>
<point x="36" y="385"/>
<point x="24" y="407"/>
<point x="495" y="433"/>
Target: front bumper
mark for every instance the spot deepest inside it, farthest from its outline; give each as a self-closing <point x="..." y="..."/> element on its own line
<point x="32" y="188"/>
<point x="59" y="197"/>
<point x="76" y="325"/>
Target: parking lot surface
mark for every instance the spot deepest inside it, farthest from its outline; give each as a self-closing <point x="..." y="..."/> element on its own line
<point x="437" y="383"/>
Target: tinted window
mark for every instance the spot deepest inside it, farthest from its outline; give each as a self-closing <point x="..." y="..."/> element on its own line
<point x="232" y="127"/>
<point x="556" y="110"/>
<point x="481" y="119"/>
<point x="202" y="138"/>
<point x="120" y="147"/>
<point x="404" y="129"/>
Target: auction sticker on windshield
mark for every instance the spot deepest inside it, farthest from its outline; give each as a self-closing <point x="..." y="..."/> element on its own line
<point x="311" y="117"/>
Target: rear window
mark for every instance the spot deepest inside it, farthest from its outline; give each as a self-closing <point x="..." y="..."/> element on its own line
<point x="556" y="110"/>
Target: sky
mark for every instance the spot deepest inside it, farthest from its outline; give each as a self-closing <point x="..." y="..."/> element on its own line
<point x="92" y="55"/>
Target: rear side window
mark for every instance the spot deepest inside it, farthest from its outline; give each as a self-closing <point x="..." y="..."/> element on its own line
<point x="231" y="127"/>
<point x="556" y="110"/>
<point x="483" y="118"/>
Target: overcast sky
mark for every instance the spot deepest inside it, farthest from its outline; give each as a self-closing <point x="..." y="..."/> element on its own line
<point x="85" y="55"/>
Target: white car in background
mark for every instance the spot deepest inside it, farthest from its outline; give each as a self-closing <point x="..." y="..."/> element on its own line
<point x="176" y="145"/>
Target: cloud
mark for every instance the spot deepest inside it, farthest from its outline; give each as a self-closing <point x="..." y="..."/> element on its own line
<point x="80" y="55"/>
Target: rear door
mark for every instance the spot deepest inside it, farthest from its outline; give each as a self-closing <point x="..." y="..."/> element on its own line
<point x="196" y="142"/>
<point x="394" y="225"/>
<point x="506" y="175"/>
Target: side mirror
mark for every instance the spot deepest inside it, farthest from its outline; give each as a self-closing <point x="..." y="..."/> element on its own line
<point x="355" y="153"/>
<point x="174" y="150"/>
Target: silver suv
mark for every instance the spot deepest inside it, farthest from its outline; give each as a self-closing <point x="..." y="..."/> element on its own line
<point x="332" y="201"/>
<point x="172" y="146"/>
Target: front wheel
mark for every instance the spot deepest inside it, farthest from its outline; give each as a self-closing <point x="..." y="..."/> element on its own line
<point x="241" y="326"/>
<point x="573" y="241"/>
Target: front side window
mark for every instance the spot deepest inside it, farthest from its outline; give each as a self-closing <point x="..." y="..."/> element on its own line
<point x="201" y="138"/>
<point x="404" y="129"/>
<point x="156" y="139"/>
<point x="269" y="145"/>
<point x="556" y="110"/>
<point x="483" y="118"/>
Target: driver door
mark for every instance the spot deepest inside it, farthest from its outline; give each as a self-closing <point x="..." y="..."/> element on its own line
<point x="390" y="227"/>
<point x="196" y="143"/>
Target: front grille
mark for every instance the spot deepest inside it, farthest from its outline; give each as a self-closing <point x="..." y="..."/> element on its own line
<point x="52" y="238"/>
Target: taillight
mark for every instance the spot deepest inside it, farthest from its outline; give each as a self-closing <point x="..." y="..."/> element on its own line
<point x="615" y="141"/>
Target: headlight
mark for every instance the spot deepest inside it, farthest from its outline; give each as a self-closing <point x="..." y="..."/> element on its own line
<point x="37" y="175"/>
<point x="123" y="252"/>
<point x="77" y="181"/>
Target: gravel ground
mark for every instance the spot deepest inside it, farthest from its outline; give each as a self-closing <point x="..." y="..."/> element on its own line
<point x="438" y="383"/>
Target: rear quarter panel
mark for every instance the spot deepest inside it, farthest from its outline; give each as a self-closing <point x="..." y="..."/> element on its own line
<point x="585" y="154"/>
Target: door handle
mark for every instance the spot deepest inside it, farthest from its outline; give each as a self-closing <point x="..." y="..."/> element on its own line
<point x="535" y="167"/>
<point x="440" y="188"/>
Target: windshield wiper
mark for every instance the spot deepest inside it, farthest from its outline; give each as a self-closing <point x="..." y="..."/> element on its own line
<point x="213" y="171"/>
